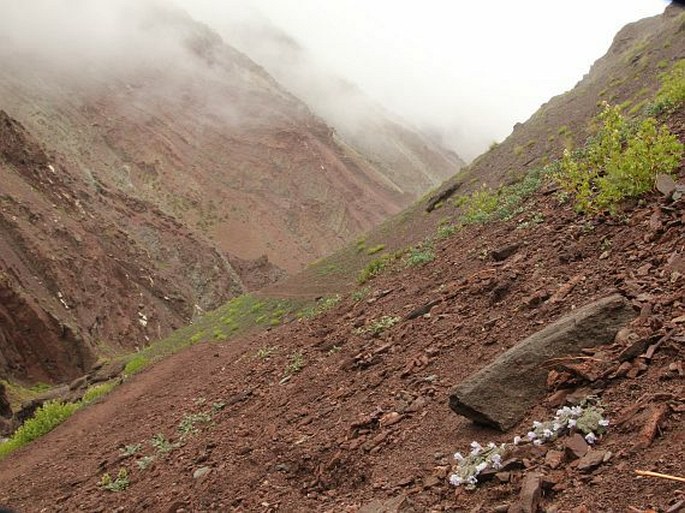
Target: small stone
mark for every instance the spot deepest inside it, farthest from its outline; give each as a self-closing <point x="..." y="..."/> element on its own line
<point x="531" y="491"/>
<point x="431" y="481"/>
<point x="665" y="184"/>
<point x="201" y="472"/>
<point x="503" y="477"/>
<point x="576" y="446"/>
<point x="390" y="418"/>
<point x="591" y="460"/>
<point x="553" y="458"/>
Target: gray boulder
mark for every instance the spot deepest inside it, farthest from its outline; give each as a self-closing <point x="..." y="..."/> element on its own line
<point x="500" y="394"/>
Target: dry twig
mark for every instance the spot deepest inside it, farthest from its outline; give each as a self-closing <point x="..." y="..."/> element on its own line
<point x="648" y="473"/>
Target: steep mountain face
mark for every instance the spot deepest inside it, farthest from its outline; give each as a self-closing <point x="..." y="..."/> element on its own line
<point x="152" y="175"/>
<point x="409" y="158"/>
<point x="83" y="267"/>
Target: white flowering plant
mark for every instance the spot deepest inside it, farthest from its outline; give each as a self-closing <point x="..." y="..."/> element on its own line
<point x="479" y="459"/>
<point x="586" y="418"/>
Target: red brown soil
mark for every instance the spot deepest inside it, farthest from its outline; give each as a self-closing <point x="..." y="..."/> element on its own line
<point x="328" y="438"/>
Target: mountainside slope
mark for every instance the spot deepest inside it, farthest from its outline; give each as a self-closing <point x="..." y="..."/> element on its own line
<point x="332" y="415"/>
<point x="348" y="410"/>
<point x="409" y="158"/>
<point x="199" y="130"/>
<point x="165" y="173"/>
<point x="87" y="269"/>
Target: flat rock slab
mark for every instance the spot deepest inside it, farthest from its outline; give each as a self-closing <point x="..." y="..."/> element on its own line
<point x="501" y="393"/>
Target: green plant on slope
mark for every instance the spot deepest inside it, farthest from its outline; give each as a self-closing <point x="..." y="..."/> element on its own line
<point x="46" y="418"/>
<point x="115" y="485"/>
<point x="136" y="364"/>
<point x="189" y="422"/>
<point x="420" y="255"/>
<point x="130" y="450"/>
<point x="320" y="307"/>
<point x="374" y="268"/>
<point x="295" y="364"/>
<point x="671" y="95"/>
<point x="378" y="326"/>
<point x="620" y="161"/>
<point x="160" y="443"/>
<point x="97" y="391"/>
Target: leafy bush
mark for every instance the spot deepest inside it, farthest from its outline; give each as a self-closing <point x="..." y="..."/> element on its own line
<point x="620" y="161"/>
<point x="420" y="255"/>
<point x="446" y="230"/>
<point x="672" y="92"/>
<point x="374" y="268"/>
<point x="97" y="391"/>
<point x="485" y="205"/>
<point x="136" y="364"/>
<point x="46" y="418"/>
<point x="480" y="206"/>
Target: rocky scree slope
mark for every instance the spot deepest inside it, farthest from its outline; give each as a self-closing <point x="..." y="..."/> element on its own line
<point x="349" y="411"/>
<point x="628" y="75"/>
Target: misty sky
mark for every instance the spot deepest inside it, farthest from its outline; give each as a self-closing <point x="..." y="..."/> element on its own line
<point x="468" y="70"/>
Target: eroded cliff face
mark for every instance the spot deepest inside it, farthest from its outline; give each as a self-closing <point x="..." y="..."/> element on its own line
<point x="84" y="267"/>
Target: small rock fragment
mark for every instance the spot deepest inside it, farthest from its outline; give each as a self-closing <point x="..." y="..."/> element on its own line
<point x="591" y="460"/>
<point x="553" y="459"/>
<point x="576" y="446"/>
<point x="201" y="472"/>
<point x="531" y="491"/>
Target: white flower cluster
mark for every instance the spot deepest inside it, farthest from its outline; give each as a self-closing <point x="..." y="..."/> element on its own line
<point x="479" y="459"/>
<point x="587" y="419"/>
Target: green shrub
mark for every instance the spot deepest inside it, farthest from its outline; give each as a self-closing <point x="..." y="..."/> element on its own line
<point x="374" y="268"/>
<point x="420" y="255"/>
<point x="320" y="307"/>
<point x="446" y="230"/>
<point x="376" y="249"/>
<point x="136" y="364"/>
<point x="671" y="95"/>
<point x="46" y="418"/>
<point x="486" y="204"/>
<point x="96" y="391"/>
<point x="620" y="161"/>
<point x="480" y="206"/>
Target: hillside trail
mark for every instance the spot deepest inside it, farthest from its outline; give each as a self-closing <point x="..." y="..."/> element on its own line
<point x="75" y="448"/>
